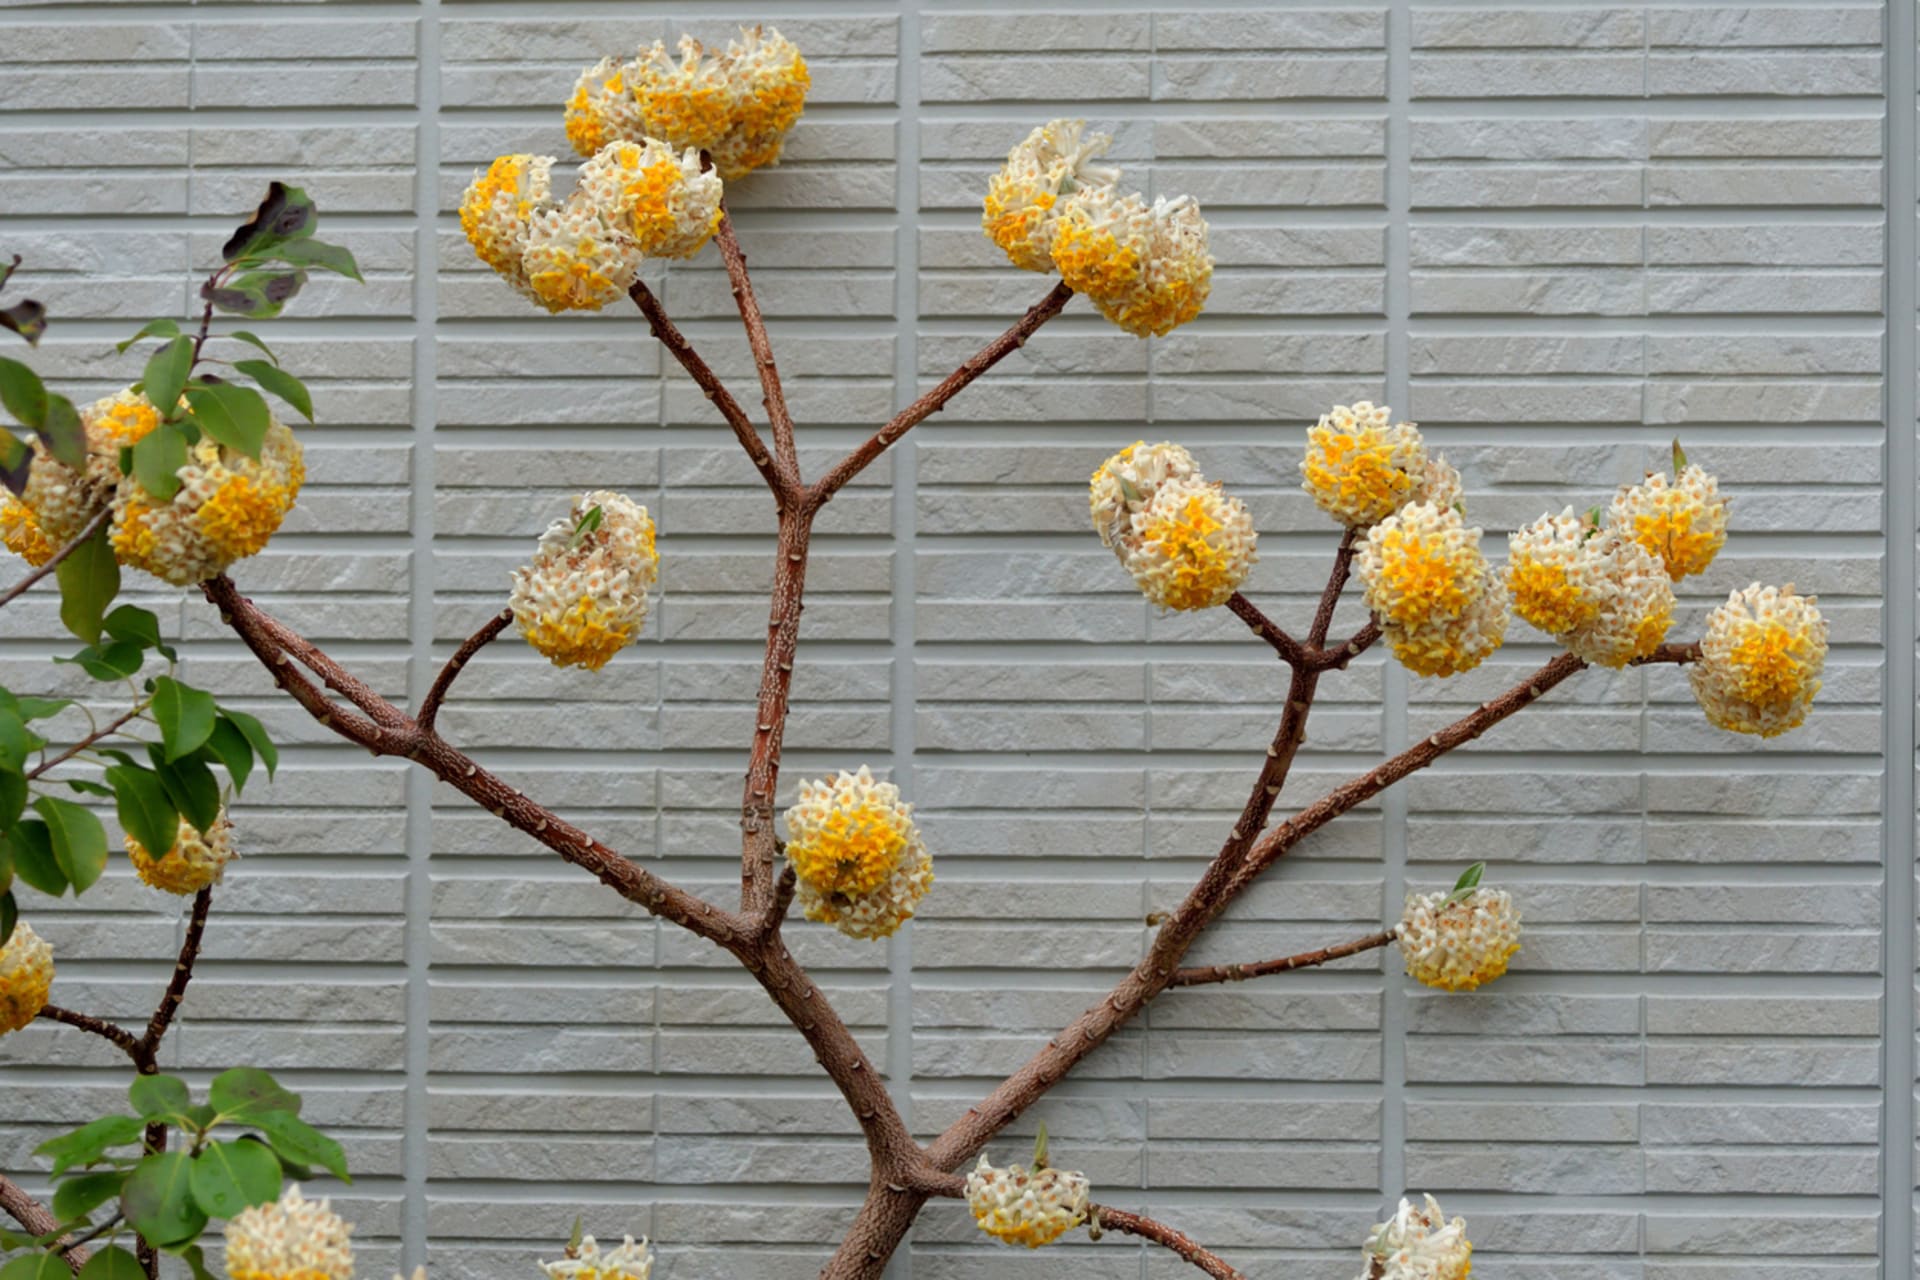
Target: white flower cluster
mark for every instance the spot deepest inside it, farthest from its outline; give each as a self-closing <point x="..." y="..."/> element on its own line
<point x="662" y="199"/>
<point x="1127" y="481"/>
<point x="1683" y="523"/>
<point x="1023" y="199"/>
<point x="583" y="598"/>
<point x="293" y="1238"/>
<point x="1457" y="945"/>
<point x="1761" y="661"/>
<point x="1418" y="1243"/>
<point x="858" y="854"/>
<point x="1440" y="606"/>
<point x="630" y="1260"/>
<point x="1024" y="1208"/>
<point x="1360" y="466"/>
<point x="1185" y="543"/>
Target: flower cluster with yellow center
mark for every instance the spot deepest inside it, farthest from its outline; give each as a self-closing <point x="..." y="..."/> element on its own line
<point x="1127" y="481"/>
<point x="1761" y="661"/>
<point x="1441" y="608"/>
<point x="1554" y="575"/>
<point x="579" y="256"/>
<point x="1682" y="522"/>
<point x="1635" y="603"/>
<point x="1418" y="1243"/>
<point x="292" y="1238"/>
<point x="21" y="532"/>
<point x="857" y="852"/>
<point x="583" y="597"/>
<point x="196" y="860"/>
<point x="738" y="104"/>
<point x="498" y="208"/>
<point x="1361" y="466"/>
<point x="1031" y="1209"/>
<point x="58" y="501"/>
<point x="1185" y="543"/>
<point x="664" y="202"/>
<point x="1456" y="943"/>
<point x="629" y="1260"/>
<point x="1023" y="198"/>
<point x="26" y="976"/>
<point x="227" y="507"/>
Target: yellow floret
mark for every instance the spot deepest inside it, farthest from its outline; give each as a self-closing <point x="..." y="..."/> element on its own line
<point x="21" y="533"/>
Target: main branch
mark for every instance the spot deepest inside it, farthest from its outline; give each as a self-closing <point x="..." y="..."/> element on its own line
<point x="34" y="1218"/>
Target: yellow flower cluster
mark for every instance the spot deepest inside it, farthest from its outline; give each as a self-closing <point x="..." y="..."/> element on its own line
<point x="629" y="1260"/>
<point x="26" y="976"/>
<point x="195" y="861"/>
<point x="1682" y="523"/>
<point x="1031" y="1209"/>
<point x="857" y="851"/>
<point x="1440" y="606"/>
<point x="227" y="507"/>
<point x="1186" y="544"/>
<point x="578" y="257"/>
<point x="59" y="501"/>
<point x="292" y="1238"/>
<point x="1418" y="1244"/>
<point x="1458" y="945"/>
<point x="498" y="208"/>
<point x="663" y="201"/>
<point x="738" y="104"/>
<point x="21" y="532"/>
<point x="1361" y="467"/>
<point x="1761" y="661"/>
<point x="1634" y="599"/>
<point x="1554" y="574"/>
<point x="583" y="597"/>
<point x="1146" y="266"/>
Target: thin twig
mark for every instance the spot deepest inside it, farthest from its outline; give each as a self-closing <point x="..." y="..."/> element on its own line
<point x="182" y="974"/>
<point x="1336" y="583"/>
<point x="53" y="561"/>
<point x="783" y="890"/>
<point x="1283" y="644"/>
<point x="123" y="1039"/>
<point x="430" y="705"/>
<point x="33" y="1216"/>
<point x="68" y="1244"/>
<point x="1109" y="1219"/>
<point x="91" y="738"/>
<point x="1200" y="975"/>
<point x="1337" y="657"/>
<point x="772" y="395"/>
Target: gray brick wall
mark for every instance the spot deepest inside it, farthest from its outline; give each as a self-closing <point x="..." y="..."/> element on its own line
<point x="1556" y="234"/>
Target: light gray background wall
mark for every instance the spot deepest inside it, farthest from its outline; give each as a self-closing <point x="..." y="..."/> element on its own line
<point x="1556" y="234"/>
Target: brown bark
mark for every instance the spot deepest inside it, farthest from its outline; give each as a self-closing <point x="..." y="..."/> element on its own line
<point x="430" y="705"/>
<point x="772" y="396"/>
<point x="1161" y="1234"/>
<point x="122" y="1039"/>
<point x="34" y="1219"/>
<point x="770" y="708"/>
<point x="177" y="985"/>
<point x="1203" y="974"/>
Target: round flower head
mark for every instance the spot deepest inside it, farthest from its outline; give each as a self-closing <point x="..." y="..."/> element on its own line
<point x="62" y="500"/>
<point x="292" y="1238"/>
<point x="1023" y="199"/>
<point x="1457" y="945"/>
<point x="1555" y="573"/>
<point x="687" y="102"/>
<point x="1421" y="565"/>
<point x="628" y="1261"/>
<point x="1682" y="522"/>
<point x="577" y="258"/>
<point x="1454" y="645"/>
<point x="1127" y="481"/>
<point x="1418" y="1244"/>
<point x="601" y="108"/>
<point x="1176" y="275"/>
<point x="1761" y="661"/>
<point x="195" y="861"/>
<point x="583" y="598"/>
<point x="1360" y="469"/>
<point x="26" y="975"/>
<point x="1032" y="1209"/>
<point x="22" y="533"/>
<point x="857" y="851"/>
<point x="1190" y="547"/>
<point x="662" y="200"/>
<point x="1100" y="241"/>
<point x="770" y="80"/>
<point x="1636" y="604"/>
<point x="498" y="210"/>
<point x="227" y="507"/>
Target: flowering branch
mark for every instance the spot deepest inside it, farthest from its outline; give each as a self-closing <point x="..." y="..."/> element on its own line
<point x="53" y="561"/>
<point x="773" y="396"/>
<point x="1283" y="644"/>
<point x="33" y="1216"/>
<point x="176" y="986"/>
<point x="1201" y="975"/>
<point x="430" y="705"/>
<point x="108" y="730"/>
<point x="1104" y="1218"/>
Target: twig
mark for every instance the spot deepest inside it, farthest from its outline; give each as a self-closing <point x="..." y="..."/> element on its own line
<point x="776" y="912"/>
<point x="53" y="561"/>
<point x="67" y="1244"/>
<point x="770" y="709"/>
<point x="430" y="705"/>
<point x="1283" y="644"/>
<point x="709" y="383"/>
<point x="1108" y="1219"/>
<point x="946" y="389"/>
<point x="91" y="738"/>
<point x="1203" y="974"/>
<point x="182" y="975"/>
<point x="123" y="1039"/>
<point x="786" y="455"/>
<point x="1336" y="583"/>
<point x="33" y="1216"/>
<point x="1337" y="657"/>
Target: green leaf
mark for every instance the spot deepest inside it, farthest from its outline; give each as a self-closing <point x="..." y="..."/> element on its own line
<point x="161" y="328"/>
<point x="286" y="214"/>
<point x="157" y="1097"/>
<point x="62" y="432"/>
<point x="79" y="841"/>
<point x="257" y="735"/>
<point x="185" y="715"/>
<point x="89" y="580"/>
<point x="80" y="1195"/>
<point x="584" y="527"/>
<point x="13" y="798"/>
<point x="166" y="375"/>
<point x="578" y="1234"/>
<point x="195" y="1259"/>
<point x="41" y="708"/>
<point x="191" y="786"/>
<point x="296" y="1140"/>
<point x="231" y="748"/>
<point x="31" y="845"/>
<point x="16" y="461"/>
<point x="158" y="1199"/>
<point x="1679" y="457"/>
<point x="316" y="253"/>
<point x="23" y="393"/>
<point x="1040" y="1148"/>
<point x="38" y="1265"/>
<point x="231" y="1176"/>
<point x="131" y="623"/>
<point x="254" y="340"/>
<point x="116" y="661"/>
<point x="91" y="1141"/>
<point x="280" y="383"/>
<point x="157" y="460"/>
<point x="233" y="416"/>
<point x="258" y="295"/>
<point x="1469" y="881"/>
<point x="26" y="318"/>
<point x="246" y="1091"/>
<point x="9" y="915"/>
<point x="82" y="787"/>
<point x="113" y="1263"/>
<point x="15" y="739"/>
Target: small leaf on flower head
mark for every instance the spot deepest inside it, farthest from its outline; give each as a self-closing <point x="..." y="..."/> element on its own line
<point x="1040" y="1148"/>
<point x="1127" y="490"/>
<point x="575" y="1236"/>
<point x="1469" y="881"/>
<point x="234" y="416"/>
<point x="1679" y="457"/>
<point x="585" y="526"/>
